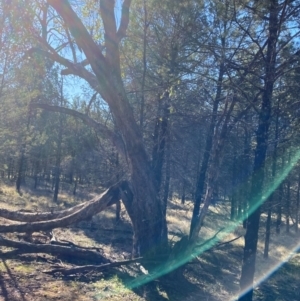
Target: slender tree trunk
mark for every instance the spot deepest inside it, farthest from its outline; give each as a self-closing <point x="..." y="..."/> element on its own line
<point x="234" y="187"/>
<point x="270" y="201"/>
<point x="288" y="198"/>
<point x="58" y="153"/>
<point x="184" y="174"/>
<point x="144" y="65"/>
<point x="297" y="205"/>
<point x="9" y="169"/>
<point x="256" y="193"/>
<point x="159" y="137"/>
<point x="207" y="151"/>
<point x="213" y="173"/>
<point x="21" y="167"/>
<point x="20" y="174"/>
<point x="75" y="185"/>
<point x="167" y="174"/>
<point x="279" y="209"/>
<point x="118" y="203"/>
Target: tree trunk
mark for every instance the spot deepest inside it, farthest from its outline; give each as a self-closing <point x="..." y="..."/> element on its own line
<point x="145" y="208"/>
<point x="159" y="137"/>
<point x="167" y="174"/>
<point x="256" y="193"/>
<point x="213" y="172"/>
<point x="142" y="108"/>
<point x="20" y="175"/>
<point x="279" y="209"/>
<point x="207" y="151"/>
<point x="75" y="185"/>
<point x="184" y="174"/>
<point x="234" y="187"/>
<point x="288" y="199"/>
<point x="297" y="205"/>
<point x="118" y="204"/>
<point x="58" y="152"/>
<point x="270" y="200"/>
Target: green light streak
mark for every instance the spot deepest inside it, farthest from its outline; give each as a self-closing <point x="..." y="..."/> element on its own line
<point x="189" y="255"/>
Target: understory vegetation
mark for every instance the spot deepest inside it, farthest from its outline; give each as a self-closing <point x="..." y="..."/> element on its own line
<point x="149" y="150"/>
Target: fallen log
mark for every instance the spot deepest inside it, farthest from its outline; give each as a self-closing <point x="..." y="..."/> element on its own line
<point x="88" y="268"/>
<point x="84" y="212"/>
<point x="30" y="217"/>
<point x="71" y="252"/>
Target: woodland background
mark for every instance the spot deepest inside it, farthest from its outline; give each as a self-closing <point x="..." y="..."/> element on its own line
<point x="188" y="103"/>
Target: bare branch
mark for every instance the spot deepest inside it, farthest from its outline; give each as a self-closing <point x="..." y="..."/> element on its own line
<point x="103" y="130"/>
<point x="124" y="20"/>
<point x="83" y="39"/>
<point x="88" y="210"/>
<point x="22" y="216"/>
<point x="88" y="268"/>
<point x="26" y="248"/>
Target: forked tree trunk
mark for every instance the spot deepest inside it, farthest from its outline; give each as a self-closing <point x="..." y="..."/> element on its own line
<point x="207" y="151"/>
<point x="145" y="209"/>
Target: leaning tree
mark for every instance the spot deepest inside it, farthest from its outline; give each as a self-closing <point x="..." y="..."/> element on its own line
<point x="100" y="67"/>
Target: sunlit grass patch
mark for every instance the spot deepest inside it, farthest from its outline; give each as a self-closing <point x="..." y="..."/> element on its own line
<point x="111" y="289"/>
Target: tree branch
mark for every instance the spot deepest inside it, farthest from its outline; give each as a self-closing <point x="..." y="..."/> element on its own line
<point x="124" y="20"/>
<point x="88" y="268"/>
<point x="107" y="133"/>
<point x="84" y="41"/>
<point x="25" y="247"/>
<point x="96" y="205"/>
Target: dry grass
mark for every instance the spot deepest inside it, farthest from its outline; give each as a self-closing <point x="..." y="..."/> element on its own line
<point x="214" y="277"/>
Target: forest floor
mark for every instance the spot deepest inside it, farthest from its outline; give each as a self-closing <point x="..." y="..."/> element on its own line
<point x="213" y="275"/>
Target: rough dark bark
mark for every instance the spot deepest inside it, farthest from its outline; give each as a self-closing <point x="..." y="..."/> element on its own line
<point x="213" y="173"/>
<point x="159" y="138"/>
<point x="297" y="205"/>
<point x="207" y="151"/>
<point x="288" y="199"/>
<point x="270" y="201"/>
<point x="233" y="208"/>
<point x="58" y="158"/>
<point x="142" y="108"/>
<point x="256" y="193"/>
<point x="167" y="174"/>
<point x="279" y="209"/>
<point x="20" y="175"/>
<point x="184" y="175"/>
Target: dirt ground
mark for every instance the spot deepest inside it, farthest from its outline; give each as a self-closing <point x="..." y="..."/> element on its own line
<point x="213" y="275"/>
